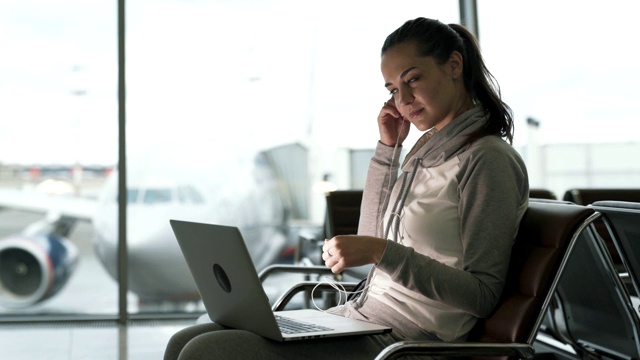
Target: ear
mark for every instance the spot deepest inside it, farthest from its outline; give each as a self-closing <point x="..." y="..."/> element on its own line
<point x="455" y="64"/>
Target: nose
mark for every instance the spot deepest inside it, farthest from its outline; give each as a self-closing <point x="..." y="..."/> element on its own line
<point x="405" y="96"/>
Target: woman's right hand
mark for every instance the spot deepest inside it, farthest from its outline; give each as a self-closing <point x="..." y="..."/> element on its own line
<point x="393" y="127"/>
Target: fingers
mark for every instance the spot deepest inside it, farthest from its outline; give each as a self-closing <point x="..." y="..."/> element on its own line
<point x="390" y="108"/>
<point x="328" y="253"/>
<point x="332" y="258"/>
<point x="333" y="262"/>
<point x="392" y="125"/>
<point x="325" y="248"/>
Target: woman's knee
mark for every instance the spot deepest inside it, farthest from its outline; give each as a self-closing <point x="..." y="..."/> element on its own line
<point x="229" y="344"/>
<point x="178" y="340"/>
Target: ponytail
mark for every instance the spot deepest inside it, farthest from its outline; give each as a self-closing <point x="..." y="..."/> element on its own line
<point x="484" y="89"/>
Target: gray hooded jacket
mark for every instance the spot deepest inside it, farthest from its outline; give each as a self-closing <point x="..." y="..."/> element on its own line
<point x="450" y="221"/>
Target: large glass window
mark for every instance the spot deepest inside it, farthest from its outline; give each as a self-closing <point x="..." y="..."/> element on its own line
<point x="58" y="145"/>
<point x="236" y="110"/>
<point x="571" y="68"/>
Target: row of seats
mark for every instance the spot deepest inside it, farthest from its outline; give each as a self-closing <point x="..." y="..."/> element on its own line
<point x="590" y="196"/>
<point x="563" y="283"/>
<point x="593" y="310"/>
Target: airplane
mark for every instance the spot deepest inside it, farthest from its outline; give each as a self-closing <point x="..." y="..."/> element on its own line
<point x="36" y="263"/>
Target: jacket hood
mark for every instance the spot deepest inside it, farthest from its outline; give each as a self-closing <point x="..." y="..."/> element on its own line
<point x="447" y="142"/>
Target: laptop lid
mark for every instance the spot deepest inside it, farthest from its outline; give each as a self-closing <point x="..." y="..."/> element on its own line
<point x="232" y="292"/>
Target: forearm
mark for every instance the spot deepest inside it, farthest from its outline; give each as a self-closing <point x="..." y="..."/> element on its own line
<point x="474" y="290"/>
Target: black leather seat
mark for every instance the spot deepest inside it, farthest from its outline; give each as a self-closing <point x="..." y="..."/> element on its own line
<point x="622" y="220"/>
<point x="582" y="196"/>
<point x="538" y="193"/>
<point x="594" y="312"/>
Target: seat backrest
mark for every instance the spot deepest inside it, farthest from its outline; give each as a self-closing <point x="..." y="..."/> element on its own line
<point x="343" y="216"/>
<point x="597" y="315"/>
<point x="589" y="196"/>
<point x="343" y="212"/>
<point x="544" y="241"/>
<point x="622" y="220"/>
<point x="542" y="194"/>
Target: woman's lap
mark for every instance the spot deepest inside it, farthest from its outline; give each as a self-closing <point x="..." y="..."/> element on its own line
<point x="213" y="341"/>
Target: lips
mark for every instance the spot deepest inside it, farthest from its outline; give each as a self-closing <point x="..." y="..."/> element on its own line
<point x="415" y="113"/>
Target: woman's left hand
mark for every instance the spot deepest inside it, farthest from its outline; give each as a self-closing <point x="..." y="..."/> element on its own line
<point x="345" y="251"/>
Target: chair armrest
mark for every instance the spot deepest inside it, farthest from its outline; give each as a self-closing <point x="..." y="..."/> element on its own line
<point x="284" y="299"/>
<point x="296" y="269"/>
<point x="405" y="348"/>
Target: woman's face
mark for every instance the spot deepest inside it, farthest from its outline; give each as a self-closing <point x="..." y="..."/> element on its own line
<point x="427" y="94"/>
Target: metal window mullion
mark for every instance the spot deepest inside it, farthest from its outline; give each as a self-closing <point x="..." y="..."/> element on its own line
<point x="469" y="16"/>
<point x="123" y="315"/>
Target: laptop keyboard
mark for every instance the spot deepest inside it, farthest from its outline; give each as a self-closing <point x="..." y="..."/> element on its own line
<point x="290" y="326"/>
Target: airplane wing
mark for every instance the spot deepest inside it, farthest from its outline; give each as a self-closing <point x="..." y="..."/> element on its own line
<point x="65" y="206"/>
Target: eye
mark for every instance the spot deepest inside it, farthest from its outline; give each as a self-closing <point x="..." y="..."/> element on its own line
<point x="413" y="79"/>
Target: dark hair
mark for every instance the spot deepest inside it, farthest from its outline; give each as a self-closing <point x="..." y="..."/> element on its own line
<point x="439" y="40"/>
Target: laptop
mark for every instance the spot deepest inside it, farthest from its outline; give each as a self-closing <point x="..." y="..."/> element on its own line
<point x="233" y="295"/>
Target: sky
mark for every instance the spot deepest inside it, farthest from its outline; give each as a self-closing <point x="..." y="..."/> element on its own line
<point x="216" y="76"/>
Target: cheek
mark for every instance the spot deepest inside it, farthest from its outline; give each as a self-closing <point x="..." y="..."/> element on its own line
<point x="429" y="94"/>
<point x="435" y="93"/>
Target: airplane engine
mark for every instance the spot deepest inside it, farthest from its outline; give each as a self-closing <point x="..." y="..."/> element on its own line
<point x="33" y="269"/>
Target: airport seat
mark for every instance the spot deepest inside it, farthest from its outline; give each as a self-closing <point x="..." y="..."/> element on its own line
<point x="545" y="239"/>
<point x="341" y="218"/>
<point x="593" y="311"/>
<point x="343" y="212"/>
<point x="538" y="193"/>
<point x="622" y="220"/>
<point x="583" y="196"/>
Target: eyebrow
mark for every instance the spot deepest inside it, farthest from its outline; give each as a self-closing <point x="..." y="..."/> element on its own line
<point x="401" y="75"/>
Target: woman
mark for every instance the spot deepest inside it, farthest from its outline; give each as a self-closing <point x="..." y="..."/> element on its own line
<point x="440" y="237"/>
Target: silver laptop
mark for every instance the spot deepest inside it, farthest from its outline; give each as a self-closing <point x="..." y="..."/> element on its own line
<point x="234" y="297"/>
